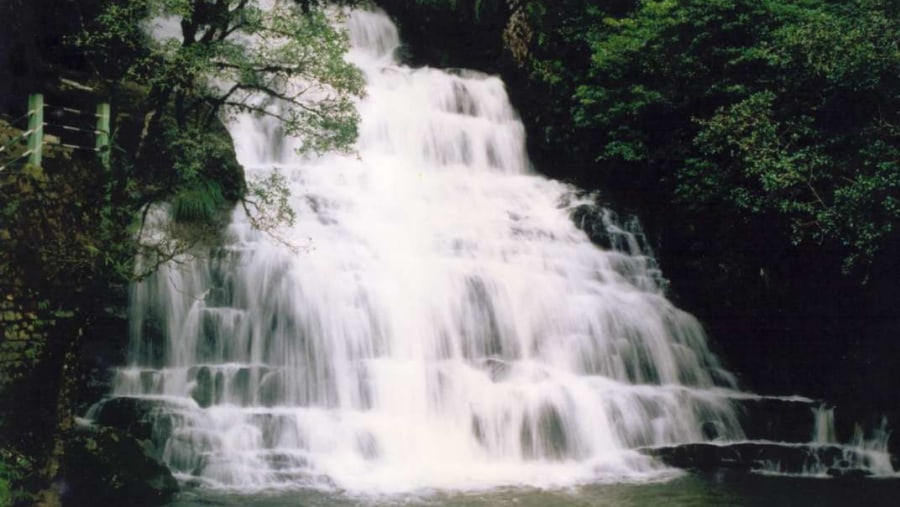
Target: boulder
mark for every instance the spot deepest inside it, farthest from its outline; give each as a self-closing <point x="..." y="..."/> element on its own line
<point x="147" y="419"/>
<point x="130" y="415"/>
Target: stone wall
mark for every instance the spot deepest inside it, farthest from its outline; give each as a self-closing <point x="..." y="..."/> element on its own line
<point x="25" y="328"/>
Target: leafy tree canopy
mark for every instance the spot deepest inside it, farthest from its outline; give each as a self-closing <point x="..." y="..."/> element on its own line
<point x="204" y="60"/>
<point x="282" y="59"/>
<point x="778" y="115"/>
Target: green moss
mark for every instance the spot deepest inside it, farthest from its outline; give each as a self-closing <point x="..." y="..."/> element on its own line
<point x="198" y="204"/>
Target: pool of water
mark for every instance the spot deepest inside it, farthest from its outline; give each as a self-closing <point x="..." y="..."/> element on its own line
<point x="690" y="490"/>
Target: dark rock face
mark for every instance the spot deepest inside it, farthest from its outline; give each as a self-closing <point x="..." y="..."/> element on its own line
<point x="591" y="220"/>
<point x="777" y="420"/>
<point x="461" y="33"/>
<point x="131" y="415"/>
<point x="148" y="420"/>
<point x="203" y="392"/>
<point x="833" y="460"/>
<point x="110" y="467"/>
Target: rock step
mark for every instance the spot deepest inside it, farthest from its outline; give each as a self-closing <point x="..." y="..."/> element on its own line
<point x="775" y="457"/>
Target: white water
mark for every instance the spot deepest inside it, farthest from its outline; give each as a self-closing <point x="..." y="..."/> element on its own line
<point x="823" y="430"/>
<point x="450" y="327"/>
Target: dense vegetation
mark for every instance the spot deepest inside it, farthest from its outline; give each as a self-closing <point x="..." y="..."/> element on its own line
<point x="780" y="117"/>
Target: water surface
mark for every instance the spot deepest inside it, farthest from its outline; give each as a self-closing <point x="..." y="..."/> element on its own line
<point x="690" y="490"/>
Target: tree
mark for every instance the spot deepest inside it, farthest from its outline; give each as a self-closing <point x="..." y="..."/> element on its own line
<point x="232" y="55"/>
<point x="202" y="61"/>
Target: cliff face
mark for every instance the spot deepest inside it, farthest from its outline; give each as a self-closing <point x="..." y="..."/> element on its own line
<point x="784" y="318"/>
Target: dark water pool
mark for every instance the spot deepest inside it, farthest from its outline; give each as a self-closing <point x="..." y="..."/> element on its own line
<point x="692" y="490"/>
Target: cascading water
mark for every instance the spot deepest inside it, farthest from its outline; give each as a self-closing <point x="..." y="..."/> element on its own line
<point x="450" y="326"/>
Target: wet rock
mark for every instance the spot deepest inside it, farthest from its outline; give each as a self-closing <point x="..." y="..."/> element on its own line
<point x="497" y="369"/>
<point x="131" y="415"/>
<point x="202" y="392"/>
<point x="700" y="456"/>
<point x="710" y="430"/>
<point x="590" y="219"/>
<point x="763" y="456"/>
<point x="145" y="419"/>
<point x="846" y="473"/>
<point x="544" y="436"/>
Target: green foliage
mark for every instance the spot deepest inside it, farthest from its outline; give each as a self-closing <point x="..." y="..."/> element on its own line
<point x="115" y="42"/>
<point x="267" y="204"/>
<point x="198" y="204"/>
<point x="235" y="56"/>
<point x="5" y="492"/>
<point x="199" y="196"/>
<point x="779" y="115"/>
<point x="198" y="63"/>
<point x="14" y="468"/>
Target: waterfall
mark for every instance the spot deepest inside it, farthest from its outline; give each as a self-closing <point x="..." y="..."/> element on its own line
<point x="823" y="430"/>
<point x="449" y="325"/>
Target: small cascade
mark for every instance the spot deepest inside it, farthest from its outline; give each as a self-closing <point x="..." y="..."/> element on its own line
<point x="453" y="325"/>
<point x="823" y="431"/>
